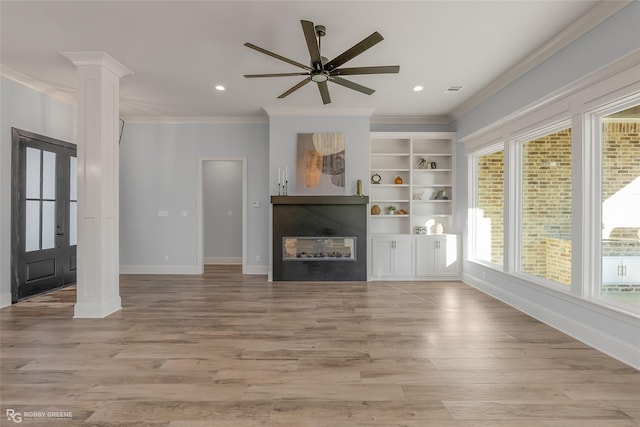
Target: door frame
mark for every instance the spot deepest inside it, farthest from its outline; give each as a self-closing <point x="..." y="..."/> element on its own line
<point x="200" y="210"/>
<point x="16" y="134"/>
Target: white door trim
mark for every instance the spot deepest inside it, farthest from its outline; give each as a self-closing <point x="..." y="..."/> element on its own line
<point x="200" y="210"/>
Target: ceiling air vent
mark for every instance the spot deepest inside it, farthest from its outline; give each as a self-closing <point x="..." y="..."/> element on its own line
<point x="453" y="89"/>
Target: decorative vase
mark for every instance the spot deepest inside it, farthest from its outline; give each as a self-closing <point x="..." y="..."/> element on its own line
<point x="375" y="210"/>
<point x="398" y="180"/>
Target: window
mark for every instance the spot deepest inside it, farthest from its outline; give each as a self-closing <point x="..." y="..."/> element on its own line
<point x="545" y="209"/>
<point x="487" y="213"/>
<point x="620" y="188"/>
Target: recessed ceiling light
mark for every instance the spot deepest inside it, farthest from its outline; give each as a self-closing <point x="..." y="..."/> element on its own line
<point x="417" y="88"/>
<point x="219" y="87"/>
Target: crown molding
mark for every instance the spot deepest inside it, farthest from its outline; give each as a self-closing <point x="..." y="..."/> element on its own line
<point x="594" y="17"/>
<point x="317" y="111"/>
<point x="37" y="85"/>
<point x="228" y="120"/>
<point x="411" y="120"/>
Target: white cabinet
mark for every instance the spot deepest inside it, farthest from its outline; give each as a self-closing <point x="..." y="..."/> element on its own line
<point x="438" y="256"/>
<point x="423" y="196"/>
<point x="620" y="270"/>
<point x="392" y="257"/>
<point x="415" y="257"/>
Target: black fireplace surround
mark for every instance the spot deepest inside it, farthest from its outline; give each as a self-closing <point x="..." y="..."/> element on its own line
<point x="318" y="217"/>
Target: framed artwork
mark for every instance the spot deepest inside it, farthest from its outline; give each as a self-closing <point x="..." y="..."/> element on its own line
<point x="320" y="164"/>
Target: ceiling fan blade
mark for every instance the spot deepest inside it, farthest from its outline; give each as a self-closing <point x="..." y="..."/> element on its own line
<point x="352" y="85"/>
<point x="275" y="75"/>
<point x="388" y="69"/>
<point x="354" y="51"/>
<point x="296" y="87"/>
<point x="310" y="36"/>
<point x="280" y="57"/>
<point x="324" y="92"/>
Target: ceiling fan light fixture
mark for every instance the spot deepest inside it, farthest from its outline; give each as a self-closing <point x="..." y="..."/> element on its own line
<point x="320" y="77"/>
<point x="220" y="87"/>
<point x="418" y="88"/>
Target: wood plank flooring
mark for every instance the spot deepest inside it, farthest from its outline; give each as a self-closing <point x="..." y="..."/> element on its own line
<point x="228" y="350"/>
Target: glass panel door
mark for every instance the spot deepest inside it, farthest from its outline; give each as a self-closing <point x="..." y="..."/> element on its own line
<point x="43" y="214"/>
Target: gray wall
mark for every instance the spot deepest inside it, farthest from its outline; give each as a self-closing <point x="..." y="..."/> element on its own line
<point x="222" y="203"/>
<point x="32" y="111"/>
<point x="158" y="172"/>
<point x="283" y="137"/>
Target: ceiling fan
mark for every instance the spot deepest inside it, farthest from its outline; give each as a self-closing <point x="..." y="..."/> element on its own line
<point x="322" y="70"/>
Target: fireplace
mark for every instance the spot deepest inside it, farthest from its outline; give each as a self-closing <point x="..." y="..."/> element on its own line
<point x="319" y="238"/>
<point x="318" y="248"/>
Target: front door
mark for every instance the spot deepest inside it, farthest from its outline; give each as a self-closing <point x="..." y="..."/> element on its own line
<point x="43" y="214"/>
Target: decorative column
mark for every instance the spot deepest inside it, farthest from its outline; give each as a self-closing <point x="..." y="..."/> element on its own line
<point x="98" y="262"/>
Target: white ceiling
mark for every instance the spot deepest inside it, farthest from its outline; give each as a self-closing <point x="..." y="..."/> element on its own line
<point x="179" y="50"/>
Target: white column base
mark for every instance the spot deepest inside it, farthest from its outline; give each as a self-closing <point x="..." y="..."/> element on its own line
<point x="96" y="311"/>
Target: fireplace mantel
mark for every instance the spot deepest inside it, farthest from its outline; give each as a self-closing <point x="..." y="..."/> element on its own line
<point x="319" y="200"/>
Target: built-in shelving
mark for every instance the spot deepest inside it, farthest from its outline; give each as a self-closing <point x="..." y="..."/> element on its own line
<point x="396" y="155"/>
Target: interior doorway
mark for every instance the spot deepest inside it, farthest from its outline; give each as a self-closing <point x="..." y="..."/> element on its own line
<point x="222" y="210"/>
<point x="43" y="214"/>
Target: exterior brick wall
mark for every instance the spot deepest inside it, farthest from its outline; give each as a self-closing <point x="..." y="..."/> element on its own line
<point x="546" y="202"/>
<point x="491" y="199"/>
<point x="621" y="165"/>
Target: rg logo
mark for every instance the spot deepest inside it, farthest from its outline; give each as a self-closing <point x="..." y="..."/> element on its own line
<point x="14" y="416"/>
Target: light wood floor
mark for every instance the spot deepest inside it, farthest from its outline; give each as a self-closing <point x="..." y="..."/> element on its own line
<point x="224" y="349"/>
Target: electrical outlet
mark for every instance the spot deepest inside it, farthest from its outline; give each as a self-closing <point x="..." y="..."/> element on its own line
<point x="258" y="258"/>
<point x="166" y="257"/>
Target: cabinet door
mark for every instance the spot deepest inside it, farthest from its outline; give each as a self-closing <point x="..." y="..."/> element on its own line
<point x="632" y="269"/>
<point x="426" y="256"/>
<point x="382" y="258"/>
<point x="611" y="270"/>
<point x="448" y="256"/>
<point x="404" y="255"/>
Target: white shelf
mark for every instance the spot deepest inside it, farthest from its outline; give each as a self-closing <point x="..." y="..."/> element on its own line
<point x="396" y="154"/>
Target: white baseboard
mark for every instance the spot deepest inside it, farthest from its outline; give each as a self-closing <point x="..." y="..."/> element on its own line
<point x="600" y="340"/>
<point x="99" y="310"/>
<point x="160" y="269"/>
<point x="217" y="260"/>
<point x="255" y="269"/>
<point x="5" y="300"/>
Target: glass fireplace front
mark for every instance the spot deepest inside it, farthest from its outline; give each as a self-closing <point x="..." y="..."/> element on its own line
<point x="319" y="248"/>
